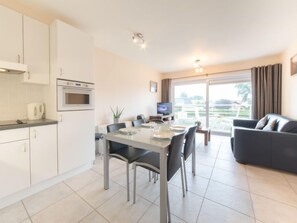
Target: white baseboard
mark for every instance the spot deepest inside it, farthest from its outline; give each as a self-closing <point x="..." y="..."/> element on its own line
<point x="6" y="201"/>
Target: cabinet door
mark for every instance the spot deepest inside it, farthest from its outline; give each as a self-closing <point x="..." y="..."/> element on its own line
<point x="85" y="68"/>
<point x="11" y="35"/>
<point x="67" y="54"/>
<point x="43" y="144"/>
<point x="36" y="51"/>
<point x="14" y="167"/>
<point x="76" y="142"/>
<point x="74" y="53"/>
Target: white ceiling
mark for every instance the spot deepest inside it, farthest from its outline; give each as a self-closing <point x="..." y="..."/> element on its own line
<point x="178" y="31"/>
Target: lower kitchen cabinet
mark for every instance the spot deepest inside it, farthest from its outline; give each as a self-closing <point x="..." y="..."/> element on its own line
<point x="43" y="145"/>
<point x="76" y="139"/>
<point x="14" y="166"/>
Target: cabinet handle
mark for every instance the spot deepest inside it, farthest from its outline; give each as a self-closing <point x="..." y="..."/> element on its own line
<point x="19" y="58"/>
<point x="60" y="118"/>
<point x="25" y="148"/>
<point x="35" y="134"/>
<point x="61" y="71"/>
<point x="29" y="75"/>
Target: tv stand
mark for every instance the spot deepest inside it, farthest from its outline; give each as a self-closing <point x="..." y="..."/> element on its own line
<point x="162" y="117"/>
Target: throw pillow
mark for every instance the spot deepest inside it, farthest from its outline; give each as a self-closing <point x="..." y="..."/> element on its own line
<point x="261" y="123"/>
<point x="270" y="126"/>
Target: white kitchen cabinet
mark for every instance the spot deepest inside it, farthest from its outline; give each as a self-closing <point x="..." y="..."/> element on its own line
<point x="71" y="53"/>
<point x="36" y="51"/>
<point x="11" y="35"/>
<point x="43" y="145"/>
<point x="76" y="142"/>
<point x="14" y="161"/>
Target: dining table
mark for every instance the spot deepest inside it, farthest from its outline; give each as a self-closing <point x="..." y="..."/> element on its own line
<point x="144" y="138"/>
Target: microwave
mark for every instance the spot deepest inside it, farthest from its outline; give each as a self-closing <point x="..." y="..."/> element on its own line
<point x="74" y="95"/>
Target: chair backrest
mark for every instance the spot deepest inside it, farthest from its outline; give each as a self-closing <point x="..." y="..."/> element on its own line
<point x="141" y="116"/>
<point x="190" y="142"/>
<point x="174" y="155"/>
<point x="114" y="146"/>
<point x="137" y="122"/>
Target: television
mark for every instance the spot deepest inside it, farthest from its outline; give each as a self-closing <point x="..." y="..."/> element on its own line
<point x="164" y="108"/>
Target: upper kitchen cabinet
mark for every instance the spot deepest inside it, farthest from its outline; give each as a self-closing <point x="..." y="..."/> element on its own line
<point x="36" y="51"/>
<point x="71" y="53"/>
<point x="11" y="35"/>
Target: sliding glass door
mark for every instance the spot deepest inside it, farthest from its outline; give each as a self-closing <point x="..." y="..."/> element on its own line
<point x="213" y="101"/>
<point x="228" y="101"/>
<point x="189" y="103"/>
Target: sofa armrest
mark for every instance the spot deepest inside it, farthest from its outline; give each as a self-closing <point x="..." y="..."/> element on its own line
<point x="251" y="123"/>
<point x="284" y="151"/>
<point x="252" y="146"/>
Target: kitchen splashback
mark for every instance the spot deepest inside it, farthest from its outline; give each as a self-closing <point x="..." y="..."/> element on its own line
<point x="14" y="97"/>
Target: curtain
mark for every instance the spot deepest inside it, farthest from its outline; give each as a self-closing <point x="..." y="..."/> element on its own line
<point x="266" y="90"/>
<point x="166" y="88"/>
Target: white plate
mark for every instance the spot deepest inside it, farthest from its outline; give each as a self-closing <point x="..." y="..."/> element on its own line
<point x="149" y="125"/>
<point x="177" y="128"/>
<point x="163" y="135"/>
<point x="128" y="131"/>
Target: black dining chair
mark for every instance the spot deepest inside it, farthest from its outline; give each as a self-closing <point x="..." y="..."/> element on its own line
<point x="137" y="122"/>
<point x="188" y="149"/>
<point x="151" y="161"/>
<point x="124" y="152"/>
<point x="141" y="116"/>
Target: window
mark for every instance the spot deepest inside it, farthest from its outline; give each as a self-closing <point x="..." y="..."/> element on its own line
<point x="215" y="100"/>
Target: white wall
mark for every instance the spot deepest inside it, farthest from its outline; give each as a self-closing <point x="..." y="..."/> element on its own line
<point x="123" y="83"/>
<point x="14" y="97"/>
<point x="289" y="94"/>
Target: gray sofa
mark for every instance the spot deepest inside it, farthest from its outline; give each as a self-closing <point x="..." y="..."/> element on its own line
<point x="276" y="149"/>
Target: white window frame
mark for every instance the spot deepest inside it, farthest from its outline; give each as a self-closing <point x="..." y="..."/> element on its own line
<point x="221" y="78"/>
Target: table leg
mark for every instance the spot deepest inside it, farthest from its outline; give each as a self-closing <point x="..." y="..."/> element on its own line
<point x="194" y="158"/>
<point x="205" y="138"/>
<point x="106" y="164"/>
<point x="209" y="135"/>
<point x="163" y="186"/>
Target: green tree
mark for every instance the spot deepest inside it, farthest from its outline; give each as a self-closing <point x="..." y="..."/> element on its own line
<point x="243" y="90"/>
<point x="183" y="95"/>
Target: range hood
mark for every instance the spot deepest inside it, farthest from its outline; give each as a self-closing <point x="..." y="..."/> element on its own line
<point x="12" y="68"/>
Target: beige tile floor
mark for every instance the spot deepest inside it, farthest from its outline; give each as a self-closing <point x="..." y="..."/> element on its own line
<point x="222" y="191"/>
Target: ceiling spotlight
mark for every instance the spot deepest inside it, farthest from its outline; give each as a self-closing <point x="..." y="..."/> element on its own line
<point x="139" y="38"/>
<point x="197" y="66"/>
<point x="143" y="45"/>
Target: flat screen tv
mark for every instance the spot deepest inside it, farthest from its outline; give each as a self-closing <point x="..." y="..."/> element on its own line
<point x="164" y="108"/>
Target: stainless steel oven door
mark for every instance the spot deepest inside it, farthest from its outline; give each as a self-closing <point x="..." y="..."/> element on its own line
<point x="74" y="98"/>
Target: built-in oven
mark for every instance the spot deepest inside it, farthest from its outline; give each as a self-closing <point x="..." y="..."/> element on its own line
<point x="74" y="95"/>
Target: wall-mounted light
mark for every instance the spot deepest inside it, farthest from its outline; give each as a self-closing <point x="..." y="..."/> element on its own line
<point x="139" y="38"/>
<point x="197" y="66"/>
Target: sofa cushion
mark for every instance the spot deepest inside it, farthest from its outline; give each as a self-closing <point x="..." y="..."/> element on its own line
<point x="290" y="126"/>
<point x="271" y="125"/>
<point x="281" y="121"/>
<point x="261" y="123"/>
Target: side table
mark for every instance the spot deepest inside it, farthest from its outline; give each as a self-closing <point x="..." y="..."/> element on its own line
<point x="206" y="132"/>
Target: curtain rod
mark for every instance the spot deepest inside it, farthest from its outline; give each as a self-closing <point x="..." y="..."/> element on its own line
<point x="207" y="74"/>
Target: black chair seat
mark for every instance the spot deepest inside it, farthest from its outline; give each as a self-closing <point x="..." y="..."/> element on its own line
<point x="129" y="153"/>
<point x="152" y="159"/>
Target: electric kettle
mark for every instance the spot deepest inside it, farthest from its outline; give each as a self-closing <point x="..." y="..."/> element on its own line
<point x="35" y="111"/>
